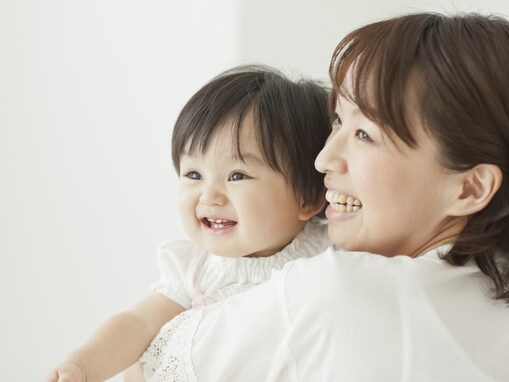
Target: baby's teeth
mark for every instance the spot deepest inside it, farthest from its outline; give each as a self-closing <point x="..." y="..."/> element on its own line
<point x="355" y="208"/>
<point x="218" y="221"/>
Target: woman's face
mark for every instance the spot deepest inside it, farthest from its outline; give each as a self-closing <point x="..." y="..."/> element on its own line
<point x="384" y="198"/>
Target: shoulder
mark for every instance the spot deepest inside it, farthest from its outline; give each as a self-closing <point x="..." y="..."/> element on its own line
<point x="179" y="248"/>
<point x="370" y="306"/>
<point x="311" y="241"/>
<point x="175" y="246"/>
<point x="180" y="254"/>
<point x="353" y="276"/>
<point x="316" y="227"/>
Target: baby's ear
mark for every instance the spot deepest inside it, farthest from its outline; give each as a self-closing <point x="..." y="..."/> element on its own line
<point x="307" y="211"/>
<point x="476" y="189"/>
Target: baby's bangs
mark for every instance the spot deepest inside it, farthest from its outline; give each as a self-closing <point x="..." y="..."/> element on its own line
<point x="225" y="129"/>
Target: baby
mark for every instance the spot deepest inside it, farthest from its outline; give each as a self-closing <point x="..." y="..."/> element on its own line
<point x="244" y="147"/>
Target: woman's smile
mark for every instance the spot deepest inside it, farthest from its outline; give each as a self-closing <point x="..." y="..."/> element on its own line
<point x="342" y="202"/>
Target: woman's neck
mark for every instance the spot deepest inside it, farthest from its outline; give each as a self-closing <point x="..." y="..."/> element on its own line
<point x="446" y="233"/>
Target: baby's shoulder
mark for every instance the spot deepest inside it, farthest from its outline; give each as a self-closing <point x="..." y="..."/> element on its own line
<point x="180" y="250"/>
<point x="313" y="239"/>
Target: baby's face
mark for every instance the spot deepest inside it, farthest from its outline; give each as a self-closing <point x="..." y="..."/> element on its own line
<point x="233" y="207"/>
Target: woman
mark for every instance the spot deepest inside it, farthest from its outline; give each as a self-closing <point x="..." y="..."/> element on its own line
<point x="417" y="171"/>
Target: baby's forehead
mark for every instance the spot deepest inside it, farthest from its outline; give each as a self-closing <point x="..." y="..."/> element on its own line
<point x="229" y="144"/>
<point x="229" y="136"/>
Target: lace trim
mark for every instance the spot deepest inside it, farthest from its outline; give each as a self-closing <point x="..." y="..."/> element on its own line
<point x="168" y="358"/>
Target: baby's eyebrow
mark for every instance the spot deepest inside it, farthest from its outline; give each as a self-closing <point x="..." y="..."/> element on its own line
<point x="251" y="157"/>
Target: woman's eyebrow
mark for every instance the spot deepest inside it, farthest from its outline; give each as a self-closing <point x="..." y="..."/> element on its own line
<point x="353" y="108"/>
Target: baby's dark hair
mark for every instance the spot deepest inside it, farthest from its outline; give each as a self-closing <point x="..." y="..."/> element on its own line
<point x="290" y="117"/>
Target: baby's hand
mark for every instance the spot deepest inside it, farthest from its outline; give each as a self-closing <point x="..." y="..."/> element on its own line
<point x="67" y="371"/>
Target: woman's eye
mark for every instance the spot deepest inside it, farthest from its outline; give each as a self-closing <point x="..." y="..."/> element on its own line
<point x="335" y="120"/>
<point x="238" y="176"/>
<point x="363" y="136"/>
<point x="193" y="175"/>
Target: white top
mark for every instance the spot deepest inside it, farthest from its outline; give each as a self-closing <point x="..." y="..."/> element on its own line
<point x="191" y="276"/>
<point x="351" y="316"/>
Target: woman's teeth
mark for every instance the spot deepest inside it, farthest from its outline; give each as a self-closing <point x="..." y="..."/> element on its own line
<point x="342" y="202"/>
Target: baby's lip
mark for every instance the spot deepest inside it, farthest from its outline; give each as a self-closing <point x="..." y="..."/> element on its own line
<point x="215" y="218"/>
<point x="215" y="222"/>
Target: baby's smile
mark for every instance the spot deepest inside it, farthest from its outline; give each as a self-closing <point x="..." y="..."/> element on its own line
<point x="343" y="202"/>
<point x="218" y="223"/>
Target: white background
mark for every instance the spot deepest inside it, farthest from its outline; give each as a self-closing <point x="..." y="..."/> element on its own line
<point x="89" y="91"/>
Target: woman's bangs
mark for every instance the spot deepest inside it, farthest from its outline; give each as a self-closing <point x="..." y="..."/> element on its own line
<point x="356" y="75"/>
<point x="366" y="69"/>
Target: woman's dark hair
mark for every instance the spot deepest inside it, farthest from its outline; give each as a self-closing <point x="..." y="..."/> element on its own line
<point x="457" y="68"/>
<point x="291" y="120"/>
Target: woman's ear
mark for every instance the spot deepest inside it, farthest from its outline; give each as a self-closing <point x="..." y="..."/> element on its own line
<point x="308" y="211"/>
<point x="476" y="189"/>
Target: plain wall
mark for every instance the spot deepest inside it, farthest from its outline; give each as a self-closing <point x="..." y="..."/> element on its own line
<point x="89" y="91"/>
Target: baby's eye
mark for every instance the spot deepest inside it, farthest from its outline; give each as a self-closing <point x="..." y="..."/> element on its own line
<point x="193" y="175"/>
<point x="363" y="136"/>
<point x="235" y="176"/>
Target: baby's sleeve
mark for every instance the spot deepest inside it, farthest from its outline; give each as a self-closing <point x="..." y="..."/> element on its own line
<point x="178" y="262"/>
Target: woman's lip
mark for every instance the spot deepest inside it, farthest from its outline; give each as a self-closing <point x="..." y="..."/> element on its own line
<point x="331" y="188"/>
<point x="328" y="185"/>
<point x="333" y="215"/>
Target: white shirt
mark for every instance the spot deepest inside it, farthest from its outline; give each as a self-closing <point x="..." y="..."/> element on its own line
<point x="351" y="316"/>
<point x="194" y="278"/>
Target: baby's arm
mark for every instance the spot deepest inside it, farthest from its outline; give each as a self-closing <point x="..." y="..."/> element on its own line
<point x="117" y="343"/>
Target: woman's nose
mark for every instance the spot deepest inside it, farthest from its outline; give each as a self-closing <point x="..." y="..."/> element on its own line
<point x="331" y="158"/>
<point x="211" y="195"/>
